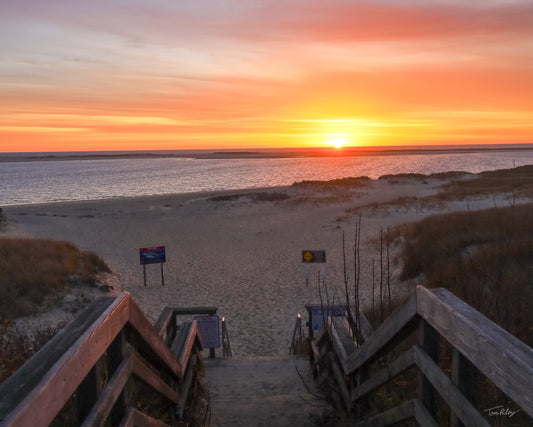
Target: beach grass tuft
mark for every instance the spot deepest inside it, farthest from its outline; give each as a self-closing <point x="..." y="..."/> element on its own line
<point x="35" y="270"/>
<point x="515" y="182"/>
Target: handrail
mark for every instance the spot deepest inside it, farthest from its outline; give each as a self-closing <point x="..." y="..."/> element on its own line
<point x="96" y="344"/>
<point x="476" y="340"/>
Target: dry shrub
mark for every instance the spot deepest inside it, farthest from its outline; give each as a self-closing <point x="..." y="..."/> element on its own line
<point x="16" y="347"/>
<point x="413" y="176"/>
<point x="3" y="219"/>
<point x="33" y="270"/>
<point x="484" y="257"/>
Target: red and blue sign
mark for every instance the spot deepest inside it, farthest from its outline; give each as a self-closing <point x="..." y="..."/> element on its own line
<point x="153" y="255"/>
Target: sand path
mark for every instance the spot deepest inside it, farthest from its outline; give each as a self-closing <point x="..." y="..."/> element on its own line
<point x="242" y="256"/>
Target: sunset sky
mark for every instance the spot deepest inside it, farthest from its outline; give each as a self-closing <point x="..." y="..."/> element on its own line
<point x="185" y="74"/>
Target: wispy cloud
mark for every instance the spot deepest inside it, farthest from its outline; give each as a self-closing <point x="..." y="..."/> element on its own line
<point x="147" y="65"/>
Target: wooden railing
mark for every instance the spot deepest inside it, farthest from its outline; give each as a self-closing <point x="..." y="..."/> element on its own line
<point x="483" y="377"/>
<point x="109" y="365"/>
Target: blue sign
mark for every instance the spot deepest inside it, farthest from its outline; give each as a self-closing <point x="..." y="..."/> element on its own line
<point x="153" y="255"/>
<point x="318" y="313"/>
<point x="209" y="328"/>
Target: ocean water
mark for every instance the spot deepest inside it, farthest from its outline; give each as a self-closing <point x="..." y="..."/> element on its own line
<point x="42" y="181"/>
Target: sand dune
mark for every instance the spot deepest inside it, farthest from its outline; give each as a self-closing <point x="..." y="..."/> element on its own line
<point x="237" y="250"/>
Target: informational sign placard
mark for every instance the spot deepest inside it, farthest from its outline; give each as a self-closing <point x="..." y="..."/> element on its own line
<point x="153" y="255"/>
<point x="209" y="327"/>
<point x="314" y="256"/>
<point x="318" y="313"/>
<point x="310" y="256"/>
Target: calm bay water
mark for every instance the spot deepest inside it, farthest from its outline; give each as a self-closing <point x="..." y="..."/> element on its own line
<point x="24" y="182"/>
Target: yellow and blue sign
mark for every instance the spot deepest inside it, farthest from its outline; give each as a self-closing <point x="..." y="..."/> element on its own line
<point x="314" y="256"/>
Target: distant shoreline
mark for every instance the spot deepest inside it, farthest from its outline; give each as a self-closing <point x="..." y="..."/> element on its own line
<point x="262" y="153"/>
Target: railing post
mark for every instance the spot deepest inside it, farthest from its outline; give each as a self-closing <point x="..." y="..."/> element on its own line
<point x="428" y="339"/>
<point x="464" y="377"/>
<point x="226" y="347"/>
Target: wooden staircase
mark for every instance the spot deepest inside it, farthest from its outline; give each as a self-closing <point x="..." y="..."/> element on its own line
<point x="108" y="366"/>
<point x="435" y="361"/>
<point x="262" y="391"/>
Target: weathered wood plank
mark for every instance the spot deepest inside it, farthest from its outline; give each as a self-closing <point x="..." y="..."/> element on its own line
<point x="341" y="329"/>
<point x="422" y="416"/>
<point x="428" y="340"/>
<point x="338" y="344"/>
<point x="365" y="328"/>
<point x="61" y="380"/>
<point x="148" y="376"/>
<point x="402" y="363"/>
<point x="135" y="418"/>
<point x="153" y="340"/>
<point x="187" y="311"/>
<point x="181" y="338"/>
<point x="341" y="384"/>
<point x="193" y="337"/>
<point x="502" y="358"/>
<point x="402" y="412"/>
<point x="464" y="377"/>
<point x="105" y="402"/>
<point x="166" y="318"/>
<point x="459" y="404"/>
<point x="189" y="375"/>
<point x="383" y="335"/>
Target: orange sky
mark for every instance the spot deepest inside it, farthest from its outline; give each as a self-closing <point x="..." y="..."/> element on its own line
<point x="147" y="75"/>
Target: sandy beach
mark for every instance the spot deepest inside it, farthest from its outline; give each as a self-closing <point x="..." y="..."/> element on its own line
<point x="237" y="250"/>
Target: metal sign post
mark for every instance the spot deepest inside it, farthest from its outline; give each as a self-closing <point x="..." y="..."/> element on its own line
<point x="153" y="255"/>
<point x="314" y="256"/>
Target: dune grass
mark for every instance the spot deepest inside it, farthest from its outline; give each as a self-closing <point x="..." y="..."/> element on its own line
<point x="484" y="257"/>
<point x="515" y="182"/>
<point x="34" y="270"/>
<point x="335" y="184"/>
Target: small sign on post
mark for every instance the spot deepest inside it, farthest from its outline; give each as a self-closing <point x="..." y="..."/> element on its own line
<point x="153" y="255"/>
<point x="209" y="327"/>
<point x="313" y="256"/>
<point x="318" y="313"/>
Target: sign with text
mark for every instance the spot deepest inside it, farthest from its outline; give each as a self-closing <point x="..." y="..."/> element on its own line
<point x="209" y="327"/>
<point x="314" y="256"/>
<point x="318" y="313"/>
<point x="153" y="255"/>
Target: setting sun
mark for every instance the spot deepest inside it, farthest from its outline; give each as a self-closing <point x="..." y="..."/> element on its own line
<point x="337" y="143"/>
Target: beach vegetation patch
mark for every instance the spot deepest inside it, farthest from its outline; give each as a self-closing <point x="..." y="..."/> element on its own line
<point x="484" y="257"/>
<point x="263" y="196"/>
<point x="34" y="271"/>
<point x="413" y="176"/>
<point x="451" y="175"/>
<point x="515" y="182"/>
<point x="3" y="219"/>
<point x="16" y="347"/>
<point x="351" y="182"/>
<point x="268" y="197"/>
<point x="226" y="198"/>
